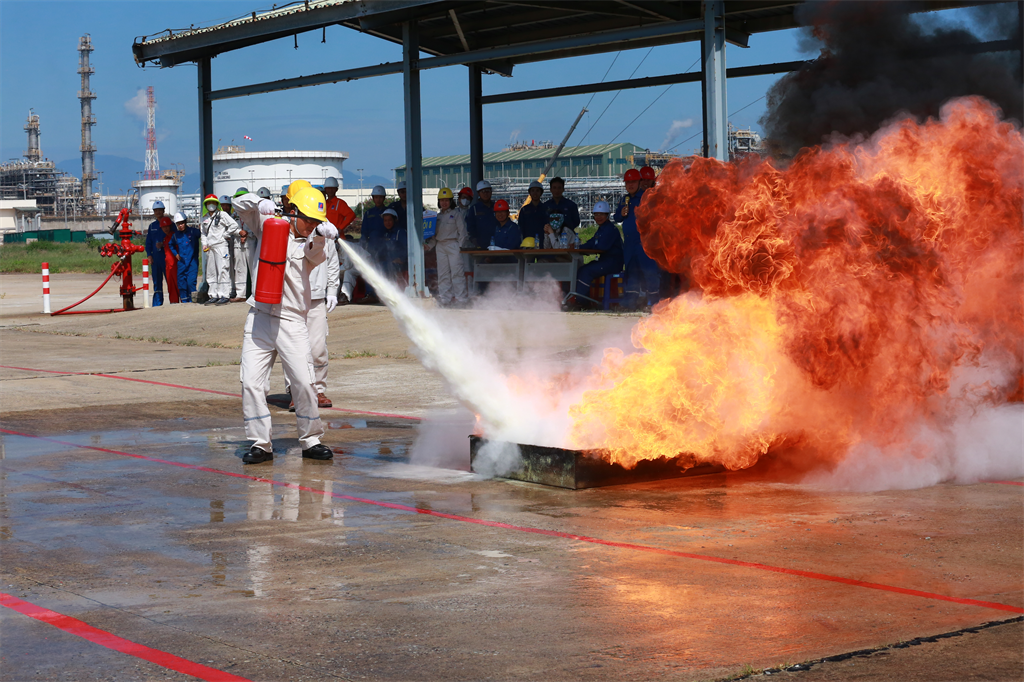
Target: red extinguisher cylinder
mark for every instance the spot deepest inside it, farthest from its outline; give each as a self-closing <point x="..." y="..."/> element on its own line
<point x="273" y="256"/>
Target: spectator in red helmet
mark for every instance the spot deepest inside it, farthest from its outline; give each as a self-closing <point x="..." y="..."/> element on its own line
<point x="647" y="178"/>
<point x="506" y="234"/>
<point x="643" y="276"/>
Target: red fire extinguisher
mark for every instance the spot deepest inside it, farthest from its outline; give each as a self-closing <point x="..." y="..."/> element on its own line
<point x="273" y="256"/>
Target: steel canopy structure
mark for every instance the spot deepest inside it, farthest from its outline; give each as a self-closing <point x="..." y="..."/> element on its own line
<point x="487" y="36"/>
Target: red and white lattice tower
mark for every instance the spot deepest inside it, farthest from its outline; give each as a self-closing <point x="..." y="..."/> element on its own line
<point x="152" y="161"/>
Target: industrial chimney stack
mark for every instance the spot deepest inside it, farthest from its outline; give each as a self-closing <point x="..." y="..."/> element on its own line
<point x="86" y="96"/>
<point x="34" y="154"/>
<point x="152" y="160"/>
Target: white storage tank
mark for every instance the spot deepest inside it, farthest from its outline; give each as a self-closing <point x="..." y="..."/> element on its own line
<point x="233" y="167"/>
<point x="162" y="189"/>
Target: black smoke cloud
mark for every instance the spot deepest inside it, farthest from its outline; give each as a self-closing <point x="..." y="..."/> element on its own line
<point x="877" y="60"/>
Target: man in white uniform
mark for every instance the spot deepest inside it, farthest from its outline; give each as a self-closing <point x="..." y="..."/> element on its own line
<point x="323" y="282"/>
<point x="273" y="330"/>
<point x="217" y="228"/>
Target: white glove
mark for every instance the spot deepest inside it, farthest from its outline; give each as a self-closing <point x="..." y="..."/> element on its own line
<point x="267" y="207"/>
<point x="332" y="303"/>
<point x="328" y="230"/>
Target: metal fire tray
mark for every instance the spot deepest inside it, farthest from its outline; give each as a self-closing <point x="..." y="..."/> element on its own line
<point x="574" y="469"/>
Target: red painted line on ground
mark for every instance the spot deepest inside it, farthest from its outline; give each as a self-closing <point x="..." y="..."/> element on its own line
<point x="1008" y="482"/>
<point x="201" y="390"/>
<point x="552" y="533"/>
<point x="111" y="641"/>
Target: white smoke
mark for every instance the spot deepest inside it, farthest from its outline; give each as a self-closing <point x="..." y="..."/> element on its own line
<point x="138" y="107"/>
<point x="675" y="130"/>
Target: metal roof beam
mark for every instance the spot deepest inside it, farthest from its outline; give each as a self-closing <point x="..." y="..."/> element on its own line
<point x="653" y="81"/>
<point x="654" y="8"/>
<point x="391" y="19"/>
<point x="233" y="36"/>
<point x="385" y="69"/>
<point x="603" y="38"/>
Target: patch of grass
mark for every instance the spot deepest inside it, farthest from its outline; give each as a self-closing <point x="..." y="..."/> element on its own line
<point x="189" y="342"/>
<point x="218" y="363"/>
<point x="63" y="258"/>
<point x="358" y="354"/>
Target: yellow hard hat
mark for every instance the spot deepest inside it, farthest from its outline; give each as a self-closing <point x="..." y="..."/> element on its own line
<point x="295" y="187"/>
<point x="529" y="243"/>
<point x="445" y="193"/>
<point x="310" y="202"/>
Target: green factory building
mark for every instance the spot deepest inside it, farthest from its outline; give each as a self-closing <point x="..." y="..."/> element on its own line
<point x="524" y="163"/>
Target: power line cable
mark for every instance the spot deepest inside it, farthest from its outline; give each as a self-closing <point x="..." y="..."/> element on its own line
<point x="617" y="93"/>
<point x="652" y="103"/>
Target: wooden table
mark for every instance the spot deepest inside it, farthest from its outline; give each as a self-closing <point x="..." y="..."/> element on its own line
<point x="527" y="268"/>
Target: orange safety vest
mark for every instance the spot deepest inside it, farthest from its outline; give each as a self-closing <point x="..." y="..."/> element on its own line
<point x="339" y="214"/>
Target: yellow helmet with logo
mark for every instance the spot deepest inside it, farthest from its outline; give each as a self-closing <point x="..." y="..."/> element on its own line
<point x="529" y="243"/>
<point x="310" y="202"/>
<point x="295" y="187"/>
<point x="445" y="193"/>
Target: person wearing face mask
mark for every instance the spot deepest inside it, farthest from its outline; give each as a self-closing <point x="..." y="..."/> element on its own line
<point x="278" y="330"/>
<point x="216" y="229"/>
<point x="465" y="199"/>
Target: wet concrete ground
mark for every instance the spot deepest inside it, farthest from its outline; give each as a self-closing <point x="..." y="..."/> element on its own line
<point x="124" y="504"/>
<point x="304" y="570"/>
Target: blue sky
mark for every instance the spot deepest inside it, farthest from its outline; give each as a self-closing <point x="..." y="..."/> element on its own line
<point x="39" y="59"/>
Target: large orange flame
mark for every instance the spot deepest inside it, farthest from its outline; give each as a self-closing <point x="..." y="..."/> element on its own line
<point x="864" y="290"/>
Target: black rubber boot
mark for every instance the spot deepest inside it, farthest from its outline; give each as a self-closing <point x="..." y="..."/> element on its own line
<point x="318" y="451"/>
<point x="256" y="456"/>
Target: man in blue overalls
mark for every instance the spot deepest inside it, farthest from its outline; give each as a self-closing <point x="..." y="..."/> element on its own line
<point x="155" y="251"/>
<point x="643" y="276"/>
<point x="185" y="247"/>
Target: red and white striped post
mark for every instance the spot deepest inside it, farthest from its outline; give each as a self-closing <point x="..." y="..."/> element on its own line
<point x="46" y="288"/>
<point x="145" y="282"/>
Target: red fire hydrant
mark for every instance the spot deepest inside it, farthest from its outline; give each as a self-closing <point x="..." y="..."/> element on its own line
<point x="123" y="251"/>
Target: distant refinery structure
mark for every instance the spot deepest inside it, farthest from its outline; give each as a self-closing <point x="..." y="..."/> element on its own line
<point x="86" y="96"/>
<point x="34" y="177"/>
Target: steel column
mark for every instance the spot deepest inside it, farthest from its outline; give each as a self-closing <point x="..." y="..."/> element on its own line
<point x="205" y="129"/>
<point x="476" y="127"/>
<point x="413" y="160"/>
<point x="716" y="116"/>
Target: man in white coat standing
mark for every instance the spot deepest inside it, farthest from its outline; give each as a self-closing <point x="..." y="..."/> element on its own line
<point x="216" y="229"/>
<point x="279" y="330"/>
<point x="323" y="282"/>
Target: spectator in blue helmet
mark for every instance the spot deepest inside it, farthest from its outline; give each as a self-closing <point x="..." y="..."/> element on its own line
<point x="562" y="212"/>
<point x="533" y="216"/>
<point x="185" y="245"/>
<point x="155" y="250"/>
<point x="607" y="240"/>
<point x="480" y="221"/>
<point x="395" y="255"/>
<point x="401" y="206"/>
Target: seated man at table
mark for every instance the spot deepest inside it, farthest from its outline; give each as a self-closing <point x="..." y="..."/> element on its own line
<point x="558" y="235"/>
<point x="608" y="240"/>
<point x="506" y="233"/>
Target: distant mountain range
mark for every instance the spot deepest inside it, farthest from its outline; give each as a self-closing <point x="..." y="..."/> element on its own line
<point x="118" y="174"/>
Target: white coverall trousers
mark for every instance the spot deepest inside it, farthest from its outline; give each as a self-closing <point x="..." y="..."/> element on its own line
<point x="267" y="337"/>
<point x="316" y="324"/>
<point x="451" y="273"/>
<point x="239" y="266"/>
<point x="218" y="271"/>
